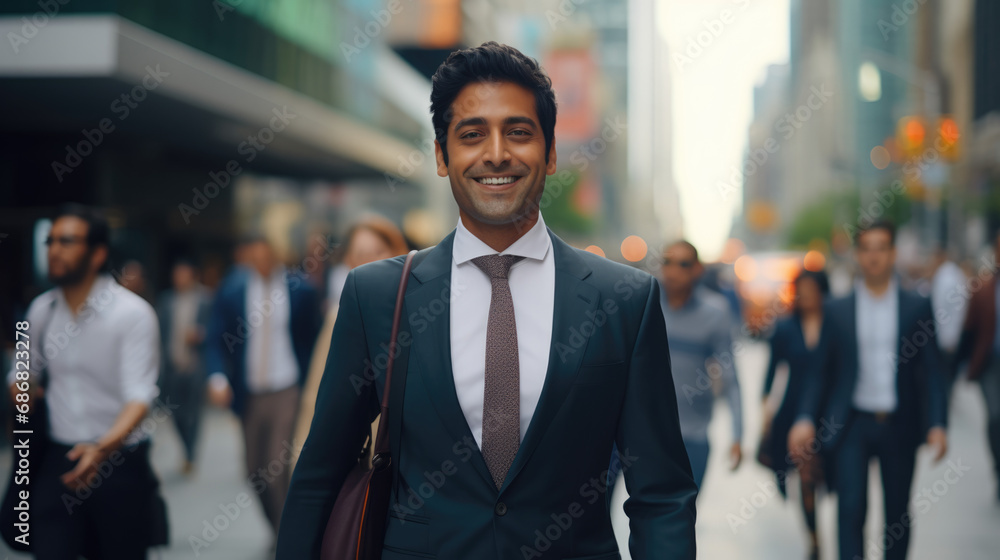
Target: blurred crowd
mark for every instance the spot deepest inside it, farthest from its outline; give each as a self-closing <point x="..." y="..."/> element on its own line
<point x="256" y="340"/>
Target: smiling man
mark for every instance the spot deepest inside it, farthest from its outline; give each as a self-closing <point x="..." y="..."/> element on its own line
<point x="525" y="361"/>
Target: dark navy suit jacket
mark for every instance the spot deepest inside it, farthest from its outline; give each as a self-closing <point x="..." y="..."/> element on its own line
<point x="226" y="344"/>
<point x="920" y="383"/>
<point x="608" y="381"/>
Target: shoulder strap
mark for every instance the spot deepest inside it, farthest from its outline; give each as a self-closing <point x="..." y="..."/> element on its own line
<point x="381" y="458"/>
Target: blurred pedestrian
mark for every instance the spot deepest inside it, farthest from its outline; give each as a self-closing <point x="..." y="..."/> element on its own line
<point x="184" y="312"/>
<point x="700" y="327"/>
<point x="877" y="391"/>
<point x="262" y="330"/>
<point x="981" y="347"/>
<point x="133" y="277"/>
<point x="369" y="240"/>
<point x="95" y="490"/>
<point x="795" y="343"/>
<point x="948" y="299"/>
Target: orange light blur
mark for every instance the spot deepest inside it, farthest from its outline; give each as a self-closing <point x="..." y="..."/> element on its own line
<point x="814" y="261"/>
<point x="596" y="250"/>
<point x="880" y="157"/>
<point x="732" y="250"/>
<point x="914" y="132"/>
<point x="948" y="130"/>
<point x="745" y="268"/>
<point x="634" y="248"/>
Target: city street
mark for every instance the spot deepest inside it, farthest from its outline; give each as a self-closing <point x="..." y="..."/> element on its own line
<point x="737" y="517"/>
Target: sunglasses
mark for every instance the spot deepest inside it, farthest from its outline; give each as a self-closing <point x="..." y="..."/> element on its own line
<point x="64" y="240"/>
<point x="687" y="265"/>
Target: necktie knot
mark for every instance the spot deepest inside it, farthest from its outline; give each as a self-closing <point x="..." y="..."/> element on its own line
<point x="496" y="266"/>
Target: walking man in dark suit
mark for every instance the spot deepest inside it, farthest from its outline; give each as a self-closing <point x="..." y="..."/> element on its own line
<point x="981" y="346"/>
<point x="262" y="330"/>
<point x="183" y="312"/>
<point x="524" y="361"/>
<point x="879" y="392"/>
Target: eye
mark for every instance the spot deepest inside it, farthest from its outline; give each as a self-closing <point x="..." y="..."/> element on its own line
<point x="520" y="132"/>
<point x="470" y="135"/>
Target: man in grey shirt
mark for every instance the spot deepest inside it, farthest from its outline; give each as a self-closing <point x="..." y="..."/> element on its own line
<point x="699" y="332"/>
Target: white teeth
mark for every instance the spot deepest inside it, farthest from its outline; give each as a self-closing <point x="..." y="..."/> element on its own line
<point x="497" y="180"/>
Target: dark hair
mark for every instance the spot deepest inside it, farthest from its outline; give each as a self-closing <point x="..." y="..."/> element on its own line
<point x="98" y="231"/>
<point x="884" y="225"/>
<point x="494" y="63"/>
<point x="682" y="243"/>
<point x="817" y="276"/>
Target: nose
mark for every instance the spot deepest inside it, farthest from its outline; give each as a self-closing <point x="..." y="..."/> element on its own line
<point x="495" y="152"/>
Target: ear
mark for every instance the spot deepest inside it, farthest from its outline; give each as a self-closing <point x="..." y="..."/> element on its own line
<point x="442" y="167"/>
<point x="699" y="268"/>
<point x="550" y="167"/>
<point x="98" y="258"/>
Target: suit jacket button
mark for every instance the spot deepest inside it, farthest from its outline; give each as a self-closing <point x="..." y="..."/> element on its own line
<point x="501" y="509"/>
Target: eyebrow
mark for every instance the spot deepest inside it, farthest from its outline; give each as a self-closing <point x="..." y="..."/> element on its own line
<point x="480" y="121"/>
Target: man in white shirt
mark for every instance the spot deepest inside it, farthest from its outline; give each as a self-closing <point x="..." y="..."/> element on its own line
<point x="98" y="344"/>
<point x="523" y="360"/>
<point x="878" y="391"/>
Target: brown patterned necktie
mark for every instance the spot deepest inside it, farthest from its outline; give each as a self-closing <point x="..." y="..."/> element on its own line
<point x="502" y="394"/>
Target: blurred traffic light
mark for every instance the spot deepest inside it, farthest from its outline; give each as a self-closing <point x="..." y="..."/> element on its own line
<point x="948" y="136"/>
<point x="910" y="135"/>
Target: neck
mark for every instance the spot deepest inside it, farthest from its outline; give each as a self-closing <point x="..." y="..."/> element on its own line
<point x="811" y="314"/>
<point x="678" y="298"/>
<point x="76" y="294"/>
<point x="500" y="236"/>
<point x="877" y="286"/>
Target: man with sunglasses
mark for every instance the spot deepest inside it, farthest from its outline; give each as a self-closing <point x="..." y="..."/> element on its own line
<point x="98" y="344"/>
<point x="701" y="354"/>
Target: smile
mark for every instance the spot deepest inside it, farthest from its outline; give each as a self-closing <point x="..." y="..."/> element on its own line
<point x="497" y="181"/>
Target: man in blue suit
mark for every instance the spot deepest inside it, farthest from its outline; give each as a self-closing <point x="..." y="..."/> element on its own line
<point x="261" y="333"/>
<point x="523" y="360"/>
<point x="879" y="391"/>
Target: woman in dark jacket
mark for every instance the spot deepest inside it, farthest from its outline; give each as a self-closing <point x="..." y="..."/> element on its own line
<point x="794" y="342"/>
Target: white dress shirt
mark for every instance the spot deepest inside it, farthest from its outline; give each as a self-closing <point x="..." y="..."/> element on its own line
<point x="532" y="288"/>
<point x="99" y="360"/>
<point x="269" y="300"/>
<point x="878" y="343"/>
<point x="948" y="297"/>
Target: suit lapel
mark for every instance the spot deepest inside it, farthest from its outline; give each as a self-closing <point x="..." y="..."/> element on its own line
<point x="574" y="298"/>
<point x="852" y="326"/>
<point x="430" y="353"/>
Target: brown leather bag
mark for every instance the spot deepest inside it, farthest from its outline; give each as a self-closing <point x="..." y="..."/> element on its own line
<point x="356" y="527"/>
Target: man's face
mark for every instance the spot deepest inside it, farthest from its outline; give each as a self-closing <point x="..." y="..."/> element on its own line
<point x="70" y="258"/>
<point x="496" y="154"/>
<point x="680" y="269"/>
<point x="184" y="276"/>
<point x="875" y="254"/>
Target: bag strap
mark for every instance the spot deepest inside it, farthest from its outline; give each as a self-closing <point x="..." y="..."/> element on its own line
<point x="382" y="455"/>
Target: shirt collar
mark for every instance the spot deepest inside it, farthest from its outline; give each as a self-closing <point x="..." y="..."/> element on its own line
<point x="864" y="292"/>
<point x="534" y="244"/>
